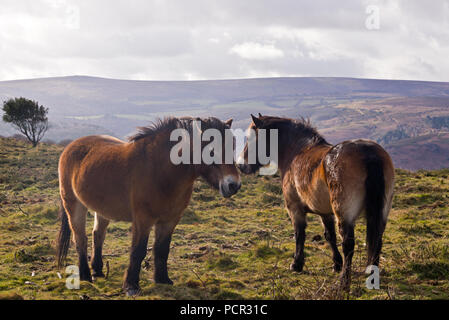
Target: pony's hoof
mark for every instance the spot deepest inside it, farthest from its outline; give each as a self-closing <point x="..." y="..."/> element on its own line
<point x="133" y="292"/>
<point x="96" y="275"/>
<point x="295" y="267"/>
<point x="86" y="278"/>
<point x="337" y="267"/>
<point x="164" y="281"/>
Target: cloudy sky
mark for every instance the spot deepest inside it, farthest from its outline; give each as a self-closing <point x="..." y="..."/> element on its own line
<point x="208" y="39"/>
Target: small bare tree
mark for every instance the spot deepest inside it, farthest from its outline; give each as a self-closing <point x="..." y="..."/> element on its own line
<point x="28" y="117"/>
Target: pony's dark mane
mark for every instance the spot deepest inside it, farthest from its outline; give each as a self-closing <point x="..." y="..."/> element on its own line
<point x="300" y="130"/>
<point x="172" y="123"/>
<point x="157" y="126"/>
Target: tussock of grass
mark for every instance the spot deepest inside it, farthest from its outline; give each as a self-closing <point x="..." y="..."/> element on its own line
<point x="24" y="256"/>
<point x="189" y="217"/>
<point x="418" y="200"/>
<point x="222" y="263"/>
<point x="271" y="199"/>
<point x="437" y="270"/>
<point x="265" y="251"/>
<point x="273" y="188"/>
<point x="227" y="295"/>
<point x="118" y="230"/>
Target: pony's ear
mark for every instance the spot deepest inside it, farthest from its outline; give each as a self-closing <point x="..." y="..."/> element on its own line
<point x="257" y="121"/>
<point x="260" y="115"/>
<point x="228" y="122"/>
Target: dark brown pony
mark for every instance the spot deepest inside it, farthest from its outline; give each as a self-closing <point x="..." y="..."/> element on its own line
<point x="132" y="181"/>
<point x="339" y="181"/>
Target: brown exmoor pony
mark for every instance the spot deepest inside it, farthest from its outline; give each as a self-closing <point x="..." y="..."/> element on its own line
<point x="133" y="181"/>
<point x="335" y="182"/>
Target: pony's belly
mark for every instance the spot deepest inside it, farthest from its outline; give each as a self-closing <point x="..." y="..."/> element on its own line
<point x="106" y="197"/>
<point x="317" y="199"/>
<point x="111" y="210"/>
<point x="320" y="206"/>
<point x="115" y="215"/>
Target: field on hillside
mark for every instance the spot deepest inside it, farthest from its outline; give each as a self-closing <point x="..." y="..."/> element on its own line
<point x="237" y="248"/>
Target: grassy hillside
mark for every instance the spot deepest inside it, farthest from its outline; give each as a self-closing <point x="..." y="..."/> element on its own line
<point x="223" y="248"/>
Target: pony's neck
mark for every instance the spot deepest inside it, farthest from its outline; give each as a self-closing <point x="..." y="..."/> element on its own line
<point x="294" y="142"/>
<point x="157" y="148"/>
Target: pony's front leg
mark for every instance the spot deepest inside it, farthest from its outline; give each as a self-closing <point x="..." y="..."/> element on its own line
<point x="163" y="235"/>
<point x="298" y="218"/>
<point x="140" y="233"/>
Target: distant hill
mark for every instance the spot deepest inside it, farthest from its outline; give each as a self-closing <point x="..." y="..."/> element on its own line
<point x="409" y="118"/>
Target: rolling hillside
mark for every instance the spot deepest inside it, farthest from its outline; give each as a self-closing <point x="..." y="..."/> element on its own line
<point x="409" y="118"/>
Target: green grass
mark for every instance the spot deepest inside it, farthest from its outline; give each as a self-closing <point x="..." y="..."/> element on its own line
<point x="237" y="248"/>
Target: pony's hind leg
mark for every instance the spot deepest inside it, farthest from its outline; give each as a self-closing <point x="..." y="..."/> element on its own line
<point x="347" y="204"/>
<point x="76" y="213"/>
<point x="347" y="233"/>
<point x="329" y="233"/>
<point x="98" y="236"/>
<point x="163" y="235"/>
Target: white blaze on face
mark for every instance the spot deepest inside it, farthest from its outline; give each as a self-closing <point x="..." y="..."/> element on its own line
<point x="240" y="159"/>
<point x="239" y="136"/>
<point x="250" y="143"/>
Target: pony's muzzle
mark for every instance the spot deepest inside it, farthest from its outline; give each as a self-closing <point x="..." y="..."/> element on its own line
<point x="229" y="186"/>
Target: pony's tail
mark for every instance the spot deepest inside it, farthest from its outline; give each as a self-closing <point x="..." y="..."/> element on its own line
<point x="374" y="201"/>
<point x="63" y="237"/>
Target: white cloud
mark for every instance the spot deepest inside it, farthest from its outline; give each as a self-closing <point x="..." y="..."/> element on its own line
<point x="214" y="40"/>
<point x="203" y="39"/>
<point x="256" y="51"/>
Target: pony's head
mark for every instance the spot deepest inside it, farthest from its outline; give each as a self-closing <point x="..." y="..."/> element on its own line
<point x="203" y="148"/>
<point x="293" y="135"/>
<point x="243" y="163"/>
<point x="221" y="175"/>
